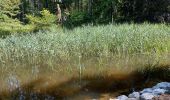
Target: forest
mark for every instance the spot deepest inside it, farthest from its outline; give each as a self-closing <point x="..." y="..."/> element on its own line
<point x="85" y="49"/>
<point x="32" y="15"/>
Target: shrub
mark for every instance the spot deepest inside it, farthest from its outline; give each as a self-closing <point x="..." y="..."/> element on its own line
<point x="43" y="21"/>
<point x="10" y="7"/>
<point x="9" y="25"/>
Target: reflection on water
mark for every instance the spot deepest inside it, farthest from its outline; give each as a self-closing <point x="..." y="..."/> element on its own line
<point x="13" y="83"/>
<point x="101" y="78"/>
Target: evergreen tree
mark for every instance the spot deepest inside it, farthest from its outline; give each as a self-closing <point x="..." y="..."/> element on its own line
<point x="10" y="7"/>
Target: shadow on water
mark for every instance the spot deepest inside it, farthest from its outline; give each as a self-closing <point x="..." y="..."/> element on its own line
<point x="88" y="87"/>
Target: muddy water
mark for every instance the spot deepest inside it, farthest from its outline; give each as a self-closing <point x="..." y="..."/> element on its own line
<point x="97" y="78"/>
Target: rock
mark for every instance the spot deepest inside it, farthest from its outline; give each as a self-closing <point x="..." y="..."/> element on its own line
<point x="155" y="92"/>
<point x="147" y="90"/>
<point x="134" y="95"/>
<point x="162" y="97"/>
<point x="168" y="91"/>
<point x="159" y="91"/>
<point x="146" y="96"/>
<point x="132" y="99"/>
<point x="122" y="97"/>
<point x="113" y="99"/>
<point x="162" y="85"/>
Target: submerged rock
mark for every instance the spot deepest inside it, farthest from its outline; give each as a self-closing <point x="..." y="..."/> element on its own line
<point x="13" y="83"/>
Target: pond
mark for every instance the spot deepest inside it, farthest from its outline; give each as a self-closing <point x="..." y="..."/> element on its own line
<point x="86" y="78"/>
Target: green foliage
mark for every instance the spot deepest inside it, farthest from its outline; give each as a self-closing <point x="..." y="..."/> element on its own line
<point x="10" y="7"/>
<point x="14" y="26"/>
<point x="9" y="25"/>
<point x="45" y="20"/>
<point x="105" y="11"/>
<point x="141" y="10"/>
<point x="80" y="12"/>
<point x="77" y="18"/>
<point x="102" y="11"/>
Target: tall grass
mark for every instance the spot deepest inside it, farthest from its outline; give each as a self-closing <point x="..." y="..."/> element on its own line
<point x="57" y="47"/>
<point x="59" y="55"/>
<point x="92" y="41"/>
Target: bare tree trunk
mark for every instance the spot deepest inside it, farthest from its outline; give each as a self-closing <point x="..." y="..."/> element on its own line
<point x="59" y="13"/>
<point x="112" y="12"/>
<point x="90" y="7"/>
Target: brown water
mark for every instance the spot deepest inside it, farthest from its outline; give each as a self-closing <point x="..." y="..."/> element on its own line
<point x="82" y="80"/>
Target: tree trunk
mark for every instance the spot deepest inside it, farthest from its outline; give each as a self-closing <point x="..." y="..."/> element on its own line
<point x="59" y="13"/>
<point x="90" y="11"/>
<point x="81" y="5"/>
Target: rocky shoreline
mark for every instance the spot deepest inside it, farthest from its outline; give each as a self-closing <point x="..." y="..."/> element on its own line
<point x="162" y="97"/>
<point x="161" y="91"/>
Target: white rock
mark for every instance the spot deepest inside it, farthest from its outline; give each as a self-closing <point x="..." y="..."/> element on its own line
<point x="162" y="85"/>
<point x="146" y="96"/>
<point x="122" y="97"/>
<point x="113" y="99"/>
<point x="134" y="95"/>
<point x="147" y="90"/>
<point x="159" y="91"/>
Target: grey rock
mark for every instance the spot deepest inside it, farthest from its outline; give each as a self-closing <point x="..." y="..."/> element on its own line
<point x="133" y="99"/>
<point x="148" y="93"/>
<point x="122" y="97"/>
<point x="134" y="95"/>
<point x="159" y="91"/>
<point x="146" y="96"/>
<point x="162" y="85"/>
<point x="147" y="90"/>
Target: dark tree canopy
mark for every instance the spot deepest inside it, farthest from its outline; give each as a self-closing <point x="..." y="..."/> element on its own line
<point x="93" y="11"/>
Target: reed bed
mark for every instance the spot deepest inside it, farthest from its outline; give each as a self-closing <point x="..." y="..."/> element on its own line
<point x="75" y="49"/>
<point x="86" y="53"/>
